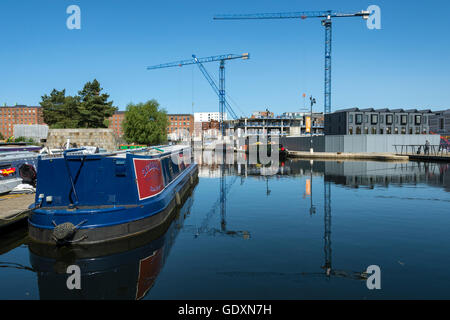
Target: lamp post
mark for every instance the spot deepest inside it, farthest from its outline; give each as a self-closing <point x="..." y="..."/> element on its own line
<point x="312" y="209"/>
<point x="313" y="101"/>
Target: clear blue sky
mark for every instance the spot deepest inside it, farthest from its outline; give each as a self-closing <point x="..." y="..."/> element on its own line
<point x="405" y="64"/>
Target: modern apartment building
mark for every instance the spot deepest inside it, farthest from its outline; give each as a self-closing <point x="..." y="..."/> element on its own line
<point x="356" y="121"/>
<point x="274" y="126"/>
<point x="19" y="114"/>
<point x="440" y="123"/>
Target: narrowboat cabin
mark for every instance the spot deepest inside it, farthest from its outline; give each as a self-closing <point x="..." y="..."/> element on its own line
<point x="93" y="198"/>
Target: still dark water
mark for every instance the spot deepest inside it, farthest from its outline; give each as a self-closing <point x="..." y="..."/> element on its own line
<point x="266" y="237"/>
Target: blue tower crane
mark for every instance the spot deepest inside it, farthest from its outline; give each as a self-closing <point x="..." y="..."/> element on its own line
<point x="220" y="91"/>
<point x="326" y="22"/>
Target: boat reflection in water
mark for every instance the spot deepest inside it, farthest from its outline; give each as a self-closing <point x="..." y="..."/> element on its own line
<point x="125" y="269"/>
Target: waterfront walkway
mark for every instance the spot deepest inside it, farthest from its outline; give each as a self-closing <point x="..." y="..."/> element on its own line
<point x="429" y="157"/>
<point x="417" y="152"/>
<point x="14" y="208"/>
<point x="347" y="156"/>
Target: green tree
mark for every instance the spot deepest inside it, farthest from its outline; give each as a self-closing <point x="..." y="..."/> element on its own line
<point x="94" y="108"/>
<point x="145" y="123"/>
<point x="89" y="109"/>
<point x="54" y="106"/>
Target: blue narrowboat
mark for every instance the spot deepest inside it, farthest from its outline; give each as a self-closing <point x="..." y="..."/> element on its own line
<point x="123" y="269"/>
<point x="93" y="198"/>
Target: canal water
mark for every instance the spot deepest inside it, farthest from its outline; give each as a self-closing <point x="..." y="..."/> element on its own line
<point x="303" y="230"/>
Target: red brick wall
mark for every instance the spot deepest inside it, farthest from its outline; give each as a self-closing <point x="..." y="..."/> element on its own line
<point x="115" y="122"/>
<point x="11" y="115"/>
<point x="180" y="121"/>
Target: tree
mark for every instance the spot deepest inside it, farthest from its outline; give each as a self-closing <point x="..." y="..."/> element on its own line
<point x="94" y="108"/>
<point x="145" y="123"/>
<point x="54" y="106"/>
<point x="89" y="109"/>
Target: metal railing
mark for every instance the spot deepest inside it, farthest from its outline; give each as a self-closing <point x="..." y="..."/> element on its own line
<point x="422" y="149"/>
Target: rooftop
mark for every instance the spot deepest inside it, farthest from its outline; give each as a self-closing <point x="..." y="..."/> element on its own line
<point x="20" y="106"/>
<point x="384" y="110"/>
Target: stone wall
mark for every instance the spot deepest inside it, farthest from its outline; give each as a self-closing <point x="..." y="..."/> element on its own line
<point x="102" y="138"/>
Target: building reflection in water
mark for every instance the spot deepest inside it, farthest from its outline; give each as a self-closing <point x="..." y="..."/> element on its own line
<point x="128" y="270"/>
<point x="351" y="174"/>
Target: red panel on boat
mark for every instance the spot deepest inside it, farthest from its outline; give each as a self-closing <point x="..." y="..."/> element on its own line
<point x="149" y="177"/>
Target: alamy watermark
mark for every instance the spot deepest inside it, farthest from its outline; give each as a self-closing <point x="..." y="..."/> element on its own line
<point x="374" y="280"/>
<point x="374" y="20"/>
<point x="74" y="20"/>
<point x="74" y="280"/>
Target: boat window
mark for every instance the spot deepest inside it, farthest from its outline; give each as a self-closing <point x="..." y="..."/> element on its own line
<point x="175" y="169"/>
<point x="167" y="173"/>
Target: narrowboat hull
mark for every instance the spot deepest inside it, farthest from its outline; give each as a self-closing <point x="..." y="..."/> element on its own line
<point x="126" y="269"/>
<point x="144" y="191"/>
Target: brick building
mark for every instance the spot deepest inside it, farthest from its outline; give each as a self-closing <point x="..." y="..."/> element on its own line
<point x="178" y="124"/>
<point x="19" y="114"/>
<point x="213" y="124"/>
<point x="115" y="122"/>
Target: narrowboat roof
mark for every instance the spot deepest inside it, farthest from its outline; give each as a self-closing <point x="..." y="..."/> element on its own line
<point x="151" y="151"/>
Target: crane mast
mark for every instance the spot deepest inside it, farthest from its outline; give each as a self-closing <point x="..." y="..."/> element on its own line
<point x="326" y="22"/>
<point x="220" y="91"/>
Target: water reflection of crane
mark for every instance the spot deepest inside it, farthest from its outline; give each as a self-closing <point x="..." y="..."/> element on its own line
<point x="327" y="267"/>
<point x="267" y="186"/>
<point x="220" y="203"/>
